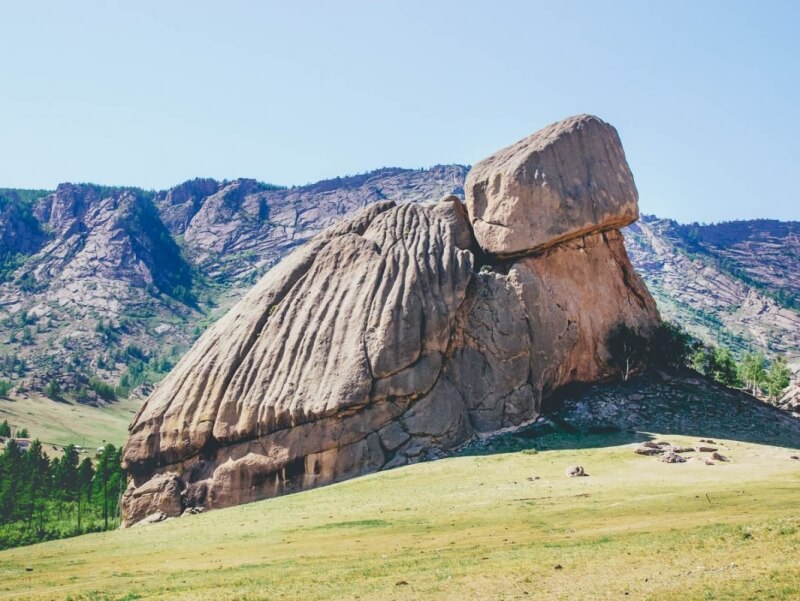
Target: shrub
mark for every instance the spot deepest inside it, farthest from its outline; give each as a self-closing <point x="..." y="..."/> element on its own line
<point x="777" y="378"/>
<point x="672" y="346"/>
<point x="53" y="390"/>
<point x="628" y="349"/>
<point x="103" y="390"/>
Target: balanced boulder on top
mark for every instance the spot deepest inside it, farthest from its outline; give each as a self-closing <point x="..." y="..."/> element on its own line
<point x="569" y="179"/>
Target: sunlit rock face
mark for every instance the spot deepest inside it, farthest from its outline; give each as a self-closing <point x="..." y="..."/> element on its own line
<point x="403" y="332"/>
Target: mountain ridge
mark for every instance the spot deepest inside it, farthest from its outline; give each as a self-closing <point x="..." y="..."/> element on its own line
<point x="80" y="281"/>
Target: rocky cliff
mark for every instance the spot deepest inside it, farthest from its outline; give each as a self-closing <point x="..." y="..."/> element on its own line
<point x="404" y="331"/>
<point x="104" y="286"/>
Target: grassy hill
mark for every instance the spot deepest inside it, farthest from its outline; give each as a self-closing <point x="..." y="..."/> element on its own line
<point x="63" y="422"/>
<point x="498" y="526"/>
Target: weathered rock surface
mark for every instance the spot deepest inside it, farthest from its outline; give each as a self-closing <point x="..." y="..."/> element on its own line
<point x="158" y="496"/>
<point x="567" y="180"/>
<point x="382" y="342"/>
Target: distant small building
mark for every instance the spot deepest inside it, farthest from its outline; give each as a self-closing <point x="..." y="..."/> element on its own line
<point x="22" y="443"/>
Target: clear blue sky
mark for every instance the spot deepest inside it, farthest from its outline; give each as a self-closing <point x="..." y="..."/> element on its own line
<point x="704" y="94"/>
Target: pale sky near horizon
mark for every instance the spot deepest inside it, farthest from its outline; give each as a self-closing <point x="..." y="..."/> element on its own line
<point x="704" y="94"/>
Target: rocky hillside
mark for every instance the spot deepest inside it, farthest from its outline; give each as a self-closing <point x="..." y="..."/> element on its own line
<point x="734" y="283"/>
<point x="99" y="284"/>
<point x="102" y="285"/>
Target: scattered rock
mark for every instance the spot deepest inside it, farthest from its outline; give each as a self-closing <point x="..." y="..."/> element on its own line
<point x="153" y="518"/>
<point x="635" y="397"/>
<point x="401" y="583"/>
<point x="575" y="471"/>
<point x="681" y="449"/>
<point x="707" y="440"/>
<point x="709" y="462"/>
<point x="558" y="566"/>
<point x="718" y="456"/>
<point x="704" y="449"/>
<point x="672" y="457"/>
<point x="648" y="450"/>
<point x="794" y="457"/>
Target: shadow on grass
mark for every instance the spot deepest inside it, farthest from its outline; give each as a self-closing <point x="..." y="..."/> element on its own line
<point x="685" y="404"/>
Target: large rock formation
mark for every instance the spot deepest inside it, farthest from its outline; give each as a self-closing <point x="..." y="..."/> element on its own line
<point x="383" y="341"/>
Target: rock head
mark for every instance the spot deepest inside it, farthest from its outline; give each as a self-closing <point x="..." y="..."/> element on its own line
<point x="569" y="179"/>
<point x="383" y="341"/>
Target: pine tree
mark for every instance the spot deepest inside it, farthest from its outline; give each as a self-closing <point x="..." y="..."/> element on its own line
<point x="65" y="474"/>
<point x="5" y="429"/>
<point x="106" y="482"/>
<point x="11" y="482"/>
<point x="36" y="486"/>
<point x="722" y="367"/>
<point x="777" y="378"/>
<point x="84" y="487"/>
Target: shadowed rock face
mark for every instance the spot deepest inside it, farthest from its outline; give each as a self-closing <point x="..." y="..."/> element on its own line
<point x="382" y="342"/>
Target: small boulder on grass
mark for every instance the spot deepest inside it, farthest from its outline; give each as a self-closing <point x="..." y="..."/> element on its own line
<point x="153" y="518"/>
<point x="643" y="449"/>
<point x="672" y="457"/>
<point x="718" y="456"/>
<point x="575" y="471"/>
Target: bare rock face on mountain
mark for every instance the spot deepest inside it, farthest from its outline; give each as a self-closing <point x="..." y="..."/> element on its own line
<point x="567" y="180"/>
<point x="382" y="342"/>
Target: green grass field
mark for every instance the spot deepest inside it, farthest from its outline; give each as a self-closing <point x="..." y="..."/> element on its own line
<point x="503" y="526"/>
<point x="62" y="423"/>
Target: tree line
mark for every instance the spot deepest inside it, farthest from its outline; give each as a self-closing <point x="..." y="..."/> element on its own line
<point x="43" y="499"/>
<point x="671" y="347"/>
<point x="754" y="373"/>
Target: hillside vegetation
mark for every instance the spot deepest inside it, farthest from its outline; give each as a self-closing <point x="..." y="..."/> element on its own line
<point x="733" y="284"/>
